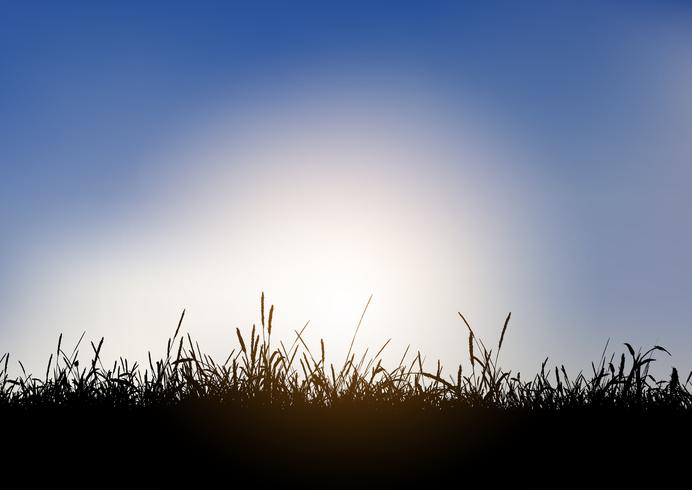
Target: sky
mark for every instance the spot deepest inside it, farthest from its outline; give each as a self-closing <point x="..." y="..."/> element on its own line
<point x="481" y="157"/>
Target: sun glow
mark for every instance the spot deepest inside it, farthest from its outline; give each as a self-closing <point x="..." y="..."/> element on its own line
<point x="319" y="202"/>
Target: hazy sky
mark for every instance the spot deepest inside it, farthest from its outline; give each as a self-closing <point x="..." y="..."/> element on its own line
<point x="532" y="157"/>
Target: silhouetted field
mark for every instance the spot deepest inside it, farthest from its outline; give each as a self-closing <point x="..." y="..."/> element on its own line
<point x="280" y="416"/>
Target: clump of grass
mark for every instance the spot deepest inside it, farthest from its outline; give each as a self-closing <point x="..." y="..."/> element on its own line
<point x="257" y="372"/>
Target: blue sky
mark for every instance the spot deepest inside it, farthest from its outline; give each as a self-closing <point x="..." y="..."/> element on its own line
<point x="595" y="97"/>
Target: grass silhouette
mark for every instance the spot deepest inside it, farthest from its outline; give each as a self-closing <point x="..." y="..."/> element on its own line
<point x="276" y="414"/>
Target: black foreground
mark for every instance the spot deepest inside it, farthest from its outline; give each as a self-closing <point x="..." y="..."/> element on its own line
<point x="209" y="445"/>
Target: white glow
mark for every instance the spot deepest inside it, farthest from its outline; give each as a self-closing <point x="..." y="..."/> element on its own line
<point x="318" y="200"/>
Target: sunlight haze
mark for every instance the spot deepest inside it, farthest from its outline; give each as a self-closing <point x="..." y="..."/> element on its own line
<point x="527" y="162"/>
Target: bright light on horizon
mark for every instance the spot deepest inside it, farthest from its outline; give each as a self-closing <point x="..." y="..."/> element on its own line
<point x="320" y="203"/>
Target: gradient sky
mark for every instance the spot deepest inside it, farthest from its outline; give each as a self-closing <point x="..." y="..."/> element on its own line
<point x="487" y="157"/>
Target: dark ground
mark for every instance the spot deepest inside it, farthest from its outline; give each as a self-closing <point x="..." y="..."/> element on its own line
<point x="209" y="446"/>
